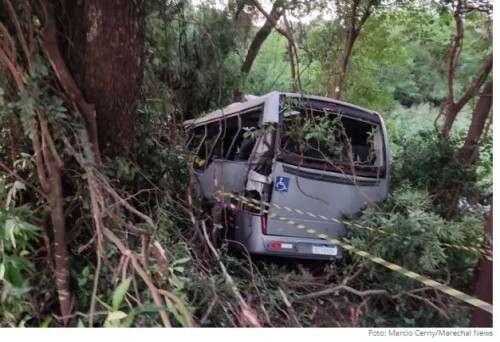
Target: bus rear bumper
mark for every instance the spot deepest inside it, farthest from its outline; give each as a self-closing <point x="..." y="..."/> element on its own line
<point x="293" y="247"/>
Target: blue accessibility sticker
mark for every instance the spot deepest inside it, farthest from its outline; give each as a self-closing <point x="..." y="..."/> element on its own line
<point x="281" y="184"/>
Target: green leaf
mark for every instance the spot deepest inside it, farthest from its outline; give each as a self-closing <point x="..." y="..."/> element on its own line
<point x="28" y="226"/>
<point x="176" y="312"/>
<point x="181" y="261"/>
<point x="116" y="315"/>
<point x="2" y="271"/>
<point x="13" y="275"/>
<point x="127" y="323"/>
<point x="104" y="304"/>
<point x="120" y="292"/>
<point x="19" y="291"/>
<point x="9" y="231"/>
<point x="46" y="322"/>
<point x="176" y="282"/>
<point x="151" y="309"/>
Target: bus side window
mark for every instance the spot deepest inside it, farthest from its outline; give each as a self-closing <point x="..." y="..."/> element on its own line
<point x="242" y="147"/>
<point x="205" y="151"/>
<point x="195" y="143"/>
<point x="196" y="137"/>
<point x="229" y="129"/>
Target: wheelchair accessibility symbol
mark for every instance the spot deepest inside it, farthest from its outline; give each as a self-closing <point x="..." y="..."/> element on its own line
<point x="281" y="184"/>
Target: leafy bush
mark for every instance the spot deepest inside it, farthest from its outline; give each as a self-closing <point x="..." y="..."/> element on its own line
<point x="428" y="162"/>
<point x="410" y="234"/>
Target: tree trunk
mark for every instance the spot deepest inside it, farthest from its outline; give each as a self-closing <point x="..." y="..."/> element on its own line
<point x="292" y="56"/>
<point x="484" y="285"/>
<point x="453" y="108"/>
<point x="259" y="39"/>
<point x="105" y="53"/>
<point x="62" y="265"/>
<point x="337" y="91"/>
<point x="472" y="142"/>
<point x="256" y="44"/>
<point x="451" y="112"/>
<point x="476" y="128"/>
<point x="354" y="30"/>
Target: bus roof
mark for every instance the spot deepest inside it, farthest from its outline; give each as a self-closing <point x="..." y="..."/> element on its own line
<point x="269" y="114"/>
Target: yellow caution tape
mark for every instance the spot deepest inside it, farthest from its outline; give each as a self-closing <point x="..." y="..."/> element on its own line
<point x="407" y="273"/>
<point x="487" y="253"/>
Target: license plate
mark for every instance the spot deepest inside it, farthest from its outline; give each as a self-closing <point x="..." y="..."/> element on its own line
<point x="324" y="250"/>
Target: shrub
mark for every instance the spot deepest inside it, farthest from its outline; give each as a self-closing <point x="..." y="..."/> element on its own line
<point x="410" y="234"/>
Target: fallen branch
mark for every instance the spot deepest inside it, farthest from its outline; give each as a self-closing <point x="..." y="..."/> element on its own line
<point x="137" y="267"/>
<point x="181" y="306"/>
<point x="248" y="315"/>
<point x="289" y="306"/>
<point x="427" y="301"/>
<point x="339" y="288"/>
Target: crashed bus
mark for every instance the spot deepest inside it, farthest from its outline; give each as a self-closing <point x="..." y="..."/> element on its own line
<point x="309" y="153"/>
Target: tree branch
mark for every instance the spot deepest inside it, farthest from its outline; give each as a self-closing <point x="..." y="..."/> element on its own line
<point x="249" y="316"/>
<point x="19" y="31"/>
<point x="454" y="51"/>
<point x="342" y="288"/>
<point x="474" y="87"/>
<point x="51" y="50"/>
<point x="273" y="21"/>
<point x="427" y="301"/>
<point x="8" y="38"/>
<point x="137" y="267"/>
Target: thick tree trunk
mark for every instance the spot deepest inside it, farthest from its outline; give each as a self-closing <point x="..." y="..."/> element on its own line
<point x="105" y="53"/>
<point x="484" y="285"/>
<point x="476" y="128"/>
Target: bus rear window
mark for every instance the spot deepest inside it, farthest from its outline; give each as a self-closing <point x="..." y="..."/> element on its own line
<point x="327" y="140"/>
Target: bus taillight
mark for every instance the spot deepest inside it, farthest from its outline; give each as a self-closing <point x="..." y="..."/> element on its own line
<point x="263" y="223"/>
<point x="234" y="207"/>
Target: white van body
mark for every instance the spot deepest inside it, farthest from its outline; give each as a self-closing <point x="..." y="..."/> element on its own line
<point x="273" y="166"/>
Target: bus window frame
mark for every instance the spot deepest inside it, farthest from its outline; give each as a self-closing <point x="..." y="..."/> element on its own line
<point x="378" y="172"/>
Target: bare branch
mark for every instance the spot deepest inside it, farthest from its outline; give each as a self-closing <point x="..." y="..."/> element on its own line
<point x="10" y="48"/>
<point x="137" y="267"/>
<point x="339" y="288"/>
<point x="427" y="301"/>
<point x="289" y="307"/>
<point x="249" y="316"/>
<point x="273" y="21"/>
<point x="474" y="87"/>
<point x="454" y="50"/>
<point x="17" y="74"/>
<point x="180" y="305"/>
<point x="19" y="31"/>
<point x="51" y="50"/>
